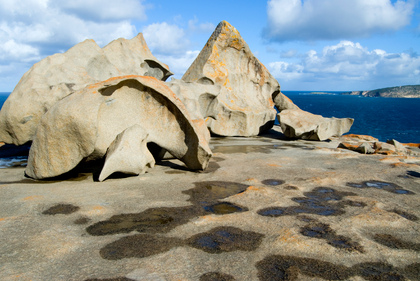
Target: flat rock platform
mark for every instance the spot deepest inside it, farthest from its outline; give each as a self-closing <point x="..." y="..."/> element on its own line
<point x="265" y="209"/>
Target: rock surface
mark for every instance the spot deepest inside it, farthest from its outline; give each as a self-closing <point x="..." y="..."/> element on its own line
<point x="59" y="75"/>
<point x="297" y="123"/>
<point x="244" y="106"/>
<point x="152" y="225"/>
<point x="128" y="154"/>
<point x="84" y="124"/>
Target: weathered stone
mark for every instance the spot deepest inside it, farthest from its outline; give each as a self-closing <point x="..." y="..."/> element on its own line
<point x="398" y="146"/>
<point x="128" y="154"/>
<point x="244" y="106"/>
<point x="84" y="124"/>
<point x="297" y="123"/>
<point x="361" y="147"/>
<point x="59" y="75"/>
<point x="198" y="98"/>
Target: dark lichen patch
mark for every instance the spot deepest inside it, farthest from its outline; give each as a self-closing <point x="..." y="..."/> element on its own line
<point x="139" y="246"/>
<point x="224" y="208"/>
<point x="378" y="271"/>
<point x="226" y="239"/>
<point x="274" y="268"/>
<point x="405" y="215"/>
<point x="212" y="191"/>
<point x="64" y="209"/>
<point x="387" y="186"/>
<point x="395" y="243"/>
<point x="278" y="267"/>
<point x="324" y="231"/>
<point x="82" y="220"/>
<point x="216" y="276"/>
<point x="204" y="197"/>
<point x="273" y="182"/>
<point x="413" y="174"/>
<point x="152" y="220"/>
<point x="291" y="187"/>
<point x="217" y="240"/>
<point x="321" y="201"/>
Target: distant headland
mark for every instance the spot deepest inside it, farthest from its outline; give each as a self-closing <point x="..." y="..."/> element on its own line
<point x="410" y="91"/>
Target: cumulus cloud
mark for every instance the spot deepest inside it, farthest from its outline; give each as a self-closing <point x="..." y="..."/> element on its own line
<point x="334" y="19"/>
<point x="178" y="64"/>
<point x="195" y="26"/>
<point x="163" y="38"/>
<point x="349" y="62"/>
<point x="33" y="29"/>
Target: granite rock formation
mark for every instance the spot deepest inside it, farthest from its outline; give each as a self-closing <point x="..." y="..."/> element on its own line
<point x="297" y="123"/>
<point x="59" y="75"/>
<point x="83" y="126"/>
<point x="244" y="106"/>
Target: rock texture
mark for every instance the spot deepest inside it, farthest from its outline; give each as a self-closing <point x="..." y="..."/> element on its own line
<point x="59" y="75"/>
<point x="297" y="123"/>
<point x="244" y="106"/>
<point x="128" y="153"/>
<point x="370" y="145"/>
<point x="83" y="125"/>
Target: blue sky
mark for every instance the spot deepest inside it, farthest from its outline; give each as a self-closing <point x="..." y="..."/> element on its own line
<point x="330" y="45"/>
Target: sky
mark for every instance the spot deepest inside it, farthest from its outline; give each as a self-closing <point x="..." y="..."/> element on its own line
<point x="307" y="45"/>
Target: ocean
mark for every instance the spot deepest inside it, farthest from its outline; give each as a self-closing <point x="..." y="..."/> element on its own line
<point x="382" y="118"/>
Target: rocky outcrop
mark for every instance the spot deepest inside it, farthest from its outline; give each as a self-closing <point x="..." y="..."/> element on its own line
<point x="59" y="75"/>
<point x="83" y="126"/>
<point x="370" y="145"/>
<point x="297" y="123"/>
<point x="244" y="106"/>
<point x="128" y="154"/>
<point x="411" y="91"/>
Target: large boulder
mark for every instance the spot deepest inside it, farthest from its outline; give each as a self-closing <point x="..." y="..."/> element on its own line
<point x="244" y="106"/>
<point x="83" y="125"/>
<point x="297" y="123"/>
<point x="128" y="154"/>
<point x="59" y="75"/>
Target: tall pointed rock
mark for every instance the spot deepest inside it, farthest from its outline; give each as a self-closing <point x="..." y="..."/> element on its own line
<point x="244" y="106"/>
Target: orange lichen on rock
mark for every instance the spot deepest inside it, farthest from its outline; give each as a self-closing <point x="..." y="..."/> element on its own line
<point x="361" y="137"/>
<point x="412" y="144"/>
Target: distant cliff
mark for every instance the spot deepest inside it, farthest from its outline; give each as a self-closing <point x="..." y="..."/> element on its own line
<point x="411" y="91"/>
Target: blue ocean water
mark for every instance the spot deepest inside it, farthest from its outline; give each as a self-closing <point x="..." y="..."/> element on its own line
<point x="383" y="118"/>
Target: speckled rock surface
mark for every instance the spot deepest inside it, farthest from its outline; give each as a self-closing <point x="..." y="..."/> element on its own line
<point x="244" y="106"/>
<point x="83" y="125"/>
<point x="59" y="75"/>
<point x="265" y="208"/>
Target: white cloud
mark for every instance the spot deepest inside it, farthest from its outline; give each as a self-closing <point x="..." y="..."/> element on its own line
<point x="178" y="64"/>
<point x="164" y="38"/>
<point x="206" y="27"/>
<point x="104" y="10"/>
<point x="334" y="19"/>
<point x="33" y="29"/>
<point x="349" y="62"/>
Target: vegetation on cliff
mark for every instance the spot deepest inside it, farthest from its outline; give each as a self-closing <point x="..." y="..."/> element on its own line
<point x="410" y="91"/>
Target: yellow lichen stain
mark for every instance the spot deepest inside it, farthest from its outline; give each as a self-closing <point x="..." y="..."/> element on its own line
<point x="273" y="165"/>
<point x="287" y="236"/>
<point x="252" y="179"/>
<point x="31" y="198"/>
